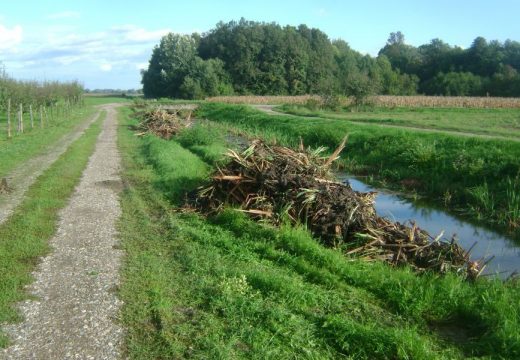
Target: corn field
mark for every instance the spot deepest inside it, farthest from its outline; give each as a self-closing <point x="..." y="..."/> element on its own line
<point x="383" y="101"/>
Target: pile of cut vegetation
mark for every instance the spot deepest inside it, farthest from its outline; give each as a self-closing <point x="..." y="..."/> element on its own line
<point x="164" y="123"/>
<point x="278" y="183"/>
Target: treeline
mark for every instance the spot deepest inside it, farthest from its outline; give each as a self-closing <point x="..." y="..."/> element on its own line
<point x="37" y="93"/>
<point x="248" y="57"/>
<point x="485" y="68"/>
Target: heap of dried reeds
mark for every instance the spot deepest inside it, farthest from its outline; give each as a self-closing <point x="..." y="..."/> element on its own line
<point x="165" y="122"/>
<point x="276" y="182"/>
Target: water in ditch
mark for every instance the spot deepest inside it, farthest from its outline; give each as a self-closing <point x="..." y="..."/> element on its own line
<point x="505" y="249"/>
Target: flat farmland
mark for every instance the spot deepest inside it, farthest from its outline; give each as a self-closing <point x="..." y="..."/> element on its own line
<point x="492" y="122"/>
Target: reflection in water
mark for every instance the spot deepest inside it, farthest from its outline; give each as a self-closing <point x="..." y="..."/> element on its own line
<point x="506" y="252"/>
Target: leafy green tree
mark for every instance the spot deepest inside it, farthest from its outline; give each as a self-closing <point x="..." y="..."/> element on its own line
<point x="456" y="84"/>
<point x="176" y="70"/>
<point x="405" y="58"/>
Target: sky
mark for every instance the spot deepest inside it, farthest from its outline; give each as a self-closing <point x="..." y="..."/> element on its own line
<point x="104" y="44"/>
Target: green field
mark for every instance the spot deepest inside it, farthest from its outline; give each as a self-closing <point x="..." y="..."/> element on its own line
<point x="227" y="287"/>
<point x="493" y="122"/>
<point x="478" y="178"/>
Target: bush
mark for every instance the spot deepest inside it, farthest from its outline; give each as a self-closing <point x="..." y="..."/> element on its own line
<point x="330" y="102"/>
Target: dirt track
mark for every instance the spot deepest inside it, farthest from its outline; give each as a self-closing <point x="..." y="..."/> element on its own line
<point x="24" y="175"/>
<point x="75" y="307"/>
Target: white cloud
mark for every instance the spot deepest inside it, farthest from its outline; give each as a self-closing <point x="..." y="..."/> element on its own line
<point x="141" y="66"/>
<point x="105" y="67"/>
<point x="60" y="50"/>
<point x="322" y="12"/>
<point x="10" y="37"/>
<point x="137" y="34"/>
<point x="64" y="15"/>
<point x="67" y="60"/>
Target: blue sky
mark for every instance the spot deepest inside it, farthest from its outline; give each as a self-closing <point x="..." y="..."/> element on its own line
<point x="103" y="44"/>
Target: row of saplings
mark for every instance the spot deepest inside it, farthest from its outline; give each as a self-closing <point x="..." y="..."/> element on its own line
<point x="278" y="184"/>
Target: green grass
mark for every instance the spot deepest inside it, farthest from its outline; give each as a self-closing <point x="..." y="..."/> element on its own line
<point x="230" y="288"/>
<point x="494" y="122"/>
<point x="106" y="99"/>
<point x="24" y="146"/>
<point x="479" y="178"/>
<point x="24" y="236"/>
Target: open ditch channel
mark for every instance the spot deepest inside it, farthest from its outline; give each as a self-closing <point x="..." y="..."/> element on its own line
<point x="484" y="243"/>
<point x="491" y="251"/>
<point x="502" y="251"/>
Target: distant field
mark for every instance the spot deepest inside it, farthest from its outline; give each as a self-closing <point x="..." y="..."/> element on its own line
<point x="498" y="122"/>
<point x="105" y="99"/>
<point x="383" y="101"/>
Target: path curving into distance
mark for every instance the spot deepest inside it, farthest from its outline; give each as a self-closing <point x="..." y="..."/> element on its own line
<point x="270" y="109"/>
<point x="73" y="314"/>
<point x="24" y="175"/>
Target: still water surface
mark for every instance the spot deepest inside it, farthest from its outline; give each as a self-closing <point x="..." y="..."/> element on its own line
<point x="397" y="208"/>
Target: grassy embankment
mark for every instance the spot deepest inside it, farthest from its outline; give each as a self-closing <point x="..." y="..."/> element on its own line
<point x="492" y="122"/>
<point x="32" y="142"/>
<point x="477" y="177"/>
<point x="24" y="236"/>
<point x="227" y="287"/>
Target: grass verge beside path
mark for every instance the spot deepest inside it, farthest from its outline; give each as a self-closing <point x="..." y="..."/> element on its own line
<point x="230" y="288"/>
<point x="21" y="148"/>
<point x="477" y="177"/>
<point x="24" y="236"/>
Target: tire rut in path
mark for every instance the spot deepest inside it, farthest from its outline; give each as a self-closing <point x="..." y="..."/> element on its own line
<point x="24" y="175"/>
<point x="74" y="314"/>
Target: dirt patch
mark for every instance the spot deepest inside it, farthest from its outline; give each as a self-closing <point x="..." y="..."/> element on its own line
<point x="116" y="185"/>
<point x="4" y="187"/>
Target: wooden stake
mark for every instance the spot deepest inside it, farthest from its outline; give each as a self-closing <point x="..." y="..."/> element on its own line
<point x="41" y="117"/>
<point x="21" y="118"/>
<point x="32" y="118"/>
<point x="9" y="118"/>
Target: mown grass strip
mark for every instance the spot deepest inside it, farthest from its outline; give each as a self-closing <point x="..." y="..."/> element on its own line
<point x="492" y="122"/>
<point x="24" y="236"/>
<point x="23" y="147"/>
<point x="231" y="288"/>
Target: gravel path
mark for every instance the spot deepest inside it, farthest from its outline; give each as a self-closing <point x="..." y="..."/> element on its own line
<point x="73" y="316"/>
<point x="23" y="176"/>
<point x="269" y="109"/>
